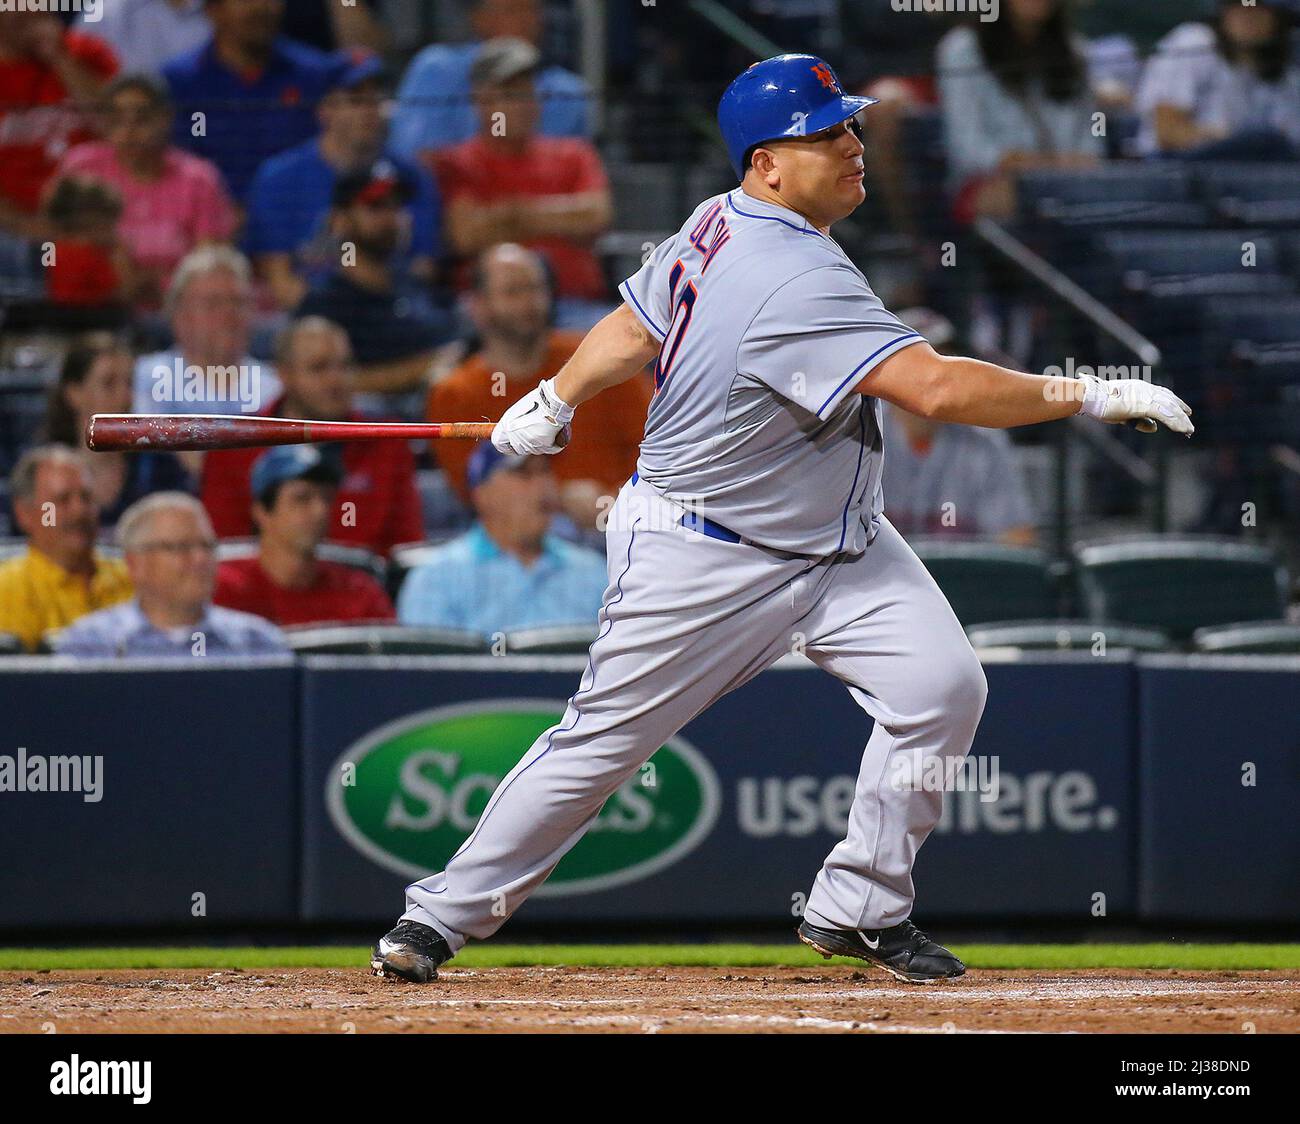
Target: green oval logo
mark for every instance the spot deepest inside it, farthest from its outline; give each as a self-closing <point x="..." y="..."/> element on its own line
<point x="418" y="786"/>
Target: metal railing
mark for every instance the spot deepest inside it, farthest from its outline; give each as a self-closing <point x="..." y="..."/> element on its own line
<point x="1071" y="297"/>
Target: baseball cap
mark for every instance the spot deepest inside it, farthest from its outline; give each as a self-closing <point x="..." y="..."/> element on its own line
<point x="486" y="459"/>
<point x="291" y="462"/>
<point x="364" y="67"/>
<point x="500" y="60"/>
<point x="379" y="181"/>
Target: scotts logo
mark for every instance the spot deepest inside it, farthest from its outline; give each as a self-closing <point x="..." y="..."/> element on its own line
<point x="421" y="783"/>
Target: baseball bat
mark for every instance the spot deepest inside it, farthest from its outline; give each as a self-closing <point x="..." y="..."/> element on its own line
<point x="175" y="432"/>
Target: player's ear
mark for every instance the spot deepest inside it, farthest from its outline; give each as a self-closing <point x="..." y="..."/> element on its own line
<point x="763" y="162"/>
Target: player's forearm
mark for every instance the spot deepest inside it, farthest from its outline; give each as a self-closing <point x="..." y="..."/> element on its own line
<point x="972" y="392"/>
<point x="611" y="353"/>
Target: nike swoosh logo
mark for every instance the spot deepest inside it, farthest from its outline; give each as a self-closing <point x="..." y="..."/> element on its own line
<point x="529" y="410"/>
<point x="866" y="940"/>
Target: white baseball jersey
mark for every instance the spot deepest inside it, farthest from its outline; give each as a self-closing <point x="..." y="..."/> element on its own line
<point x="767" y="327"/>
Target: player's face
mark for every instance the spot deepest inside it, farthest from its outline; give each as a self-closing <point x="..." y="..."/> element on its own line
<point x="820" y="175"/>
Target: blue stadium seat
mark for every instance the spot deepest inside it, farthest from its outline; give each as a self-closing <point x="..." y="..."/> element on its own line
<point x="1252" y="194"/>
<point x="1180" y="583"/>
<point x="1145" y="256"/>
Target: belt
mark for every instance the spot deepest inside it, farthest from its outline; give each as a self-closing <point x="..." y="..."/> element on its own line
<point x="694" y="521"/>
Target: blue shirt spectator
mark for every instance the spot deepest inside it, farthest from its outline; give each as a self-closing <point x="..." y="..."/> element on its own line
<point x="508" y="572"/>
<point x="434" y="109"/>
<point x="472" y="583"/>
<point x="250" y="115"/>
<point x="124" y="632"/>
<point x="288" y="233"/>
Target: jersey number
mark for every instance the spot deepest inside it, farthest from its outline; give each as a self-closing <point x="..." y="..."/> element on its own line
<point x="711" y="233"/>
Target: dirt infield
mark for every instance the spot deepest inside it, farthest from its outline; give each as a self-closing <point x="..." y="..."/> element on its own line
<point x="647" y="1000"/>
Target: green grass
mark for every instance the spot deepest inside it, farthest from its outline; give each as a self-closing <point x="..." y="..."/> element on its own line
<point x="1049" y="956"/>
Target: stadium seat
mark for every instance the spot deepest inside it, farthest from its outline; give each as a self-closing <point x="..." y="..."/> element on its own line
<point x="1050" y="190"/>
<point x="1067" y="635"/>
<point x="1254" y="638"/>
<point x="383" y="640"/>
<point x="1180" y="583"/>
<point x="567" y="639"/>
<point x="1252" y="194"/>
<point x="1146" y="256"/>
<point x="987" y="581"/>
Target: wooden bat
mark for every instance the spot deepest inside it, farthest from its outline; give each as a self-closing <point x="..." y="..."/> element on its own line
<point x="175" y="432"/>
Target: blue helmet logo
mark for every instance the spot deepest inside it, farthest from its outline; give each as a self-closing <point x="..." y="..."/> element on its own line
<point x="785" y="96"/>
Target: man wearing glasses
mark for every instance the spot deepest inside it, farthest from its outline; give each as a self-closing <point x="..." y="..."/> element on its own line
<point x="171" y="557"/>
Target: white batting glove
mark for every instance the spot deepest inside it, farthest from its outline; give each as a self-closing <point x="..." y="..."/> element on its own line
<point x="537" y="424"/>
<point x="1120" y="400"/>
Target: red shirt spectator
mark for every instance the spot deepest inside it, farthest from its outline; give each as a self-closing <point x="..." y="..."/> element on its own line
<point x="377" y="505"/>
<point x="38" y="121"/>
<point x="339" y="593"/>
<point x="544" y="166"/>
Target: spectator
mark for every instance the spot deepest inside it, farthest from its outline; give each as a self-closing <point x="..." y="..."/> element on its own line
<point x="89" y="266"/>
<point x="509" y="185"/>
<point x="174" y="201"/>
<point x="257" y="90"/>
<point x="330" y="25"/>
<point x="1230" y="90"/>
<point x="953" y="480"/>
<point x="146" y="33"/>
<point x="47" y="76"/>
<point x="96" y="379"/>
<point x="391" y="320"/>
<point x="377" y="505"/>
<point x="61" y="576"/>
<point x="1015" y="97"/>
<point x="209" y="369"/>
<point x="432" y="108"/>
<point x="511" y="304"/>
<point x="288" y="234"/>
<point x="293" y="488"/>
<point x="172" y="557"/>
<point x="506" y="572"/>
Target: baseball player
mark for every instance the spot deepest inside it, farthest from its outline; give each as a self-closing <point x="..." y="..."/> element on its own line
<point x="753" y="526"/>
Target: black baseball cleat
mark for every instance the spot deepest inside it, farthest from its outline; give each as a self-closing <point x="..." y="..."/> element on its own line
<point x="902" y="950"/>
<point x="410" y="951"/>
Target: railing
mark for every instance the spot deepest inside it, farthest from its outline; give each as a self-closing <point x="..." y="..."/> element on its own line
<point x="1071" y="297"/>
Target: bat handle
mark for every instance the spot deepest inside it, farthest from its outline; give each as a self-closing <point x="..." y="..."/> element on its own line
<point x="474" y="431"/>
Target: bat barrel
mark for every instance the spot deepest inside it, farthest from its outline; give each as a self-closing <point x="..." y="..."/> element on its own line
<point x="144" y="432"/>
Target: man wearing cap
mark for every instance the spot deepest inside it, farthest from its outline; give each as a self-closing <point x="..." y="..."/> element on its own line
<point x="288" y="234"/>
<point x="392" y="322"/>
<point x="248" y="92"/>
<point x="507" y="572"/>
<point x="293" y="489"/>
<point x="508" y="184"/>
<point x="171" y="555"/>
<point x="376" y="505"/>
<point x="433" y="110"/>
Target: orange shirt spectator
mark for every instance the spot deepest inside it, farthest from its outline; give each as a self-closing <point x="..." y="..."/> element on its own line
<point x="607" y="431"/>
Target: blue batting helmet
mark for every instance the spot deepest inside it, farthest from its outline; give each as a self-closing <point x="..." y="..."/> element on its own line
<point x="785" y="96"/>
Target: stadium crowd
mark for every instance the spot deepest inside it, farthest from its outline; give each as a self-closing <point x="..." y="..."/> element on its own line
<point x="249" y="206"/>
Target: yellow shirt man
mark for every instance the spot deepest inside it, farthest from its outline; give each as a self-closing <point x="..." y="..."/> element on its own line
<point x="37" y="594"/>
